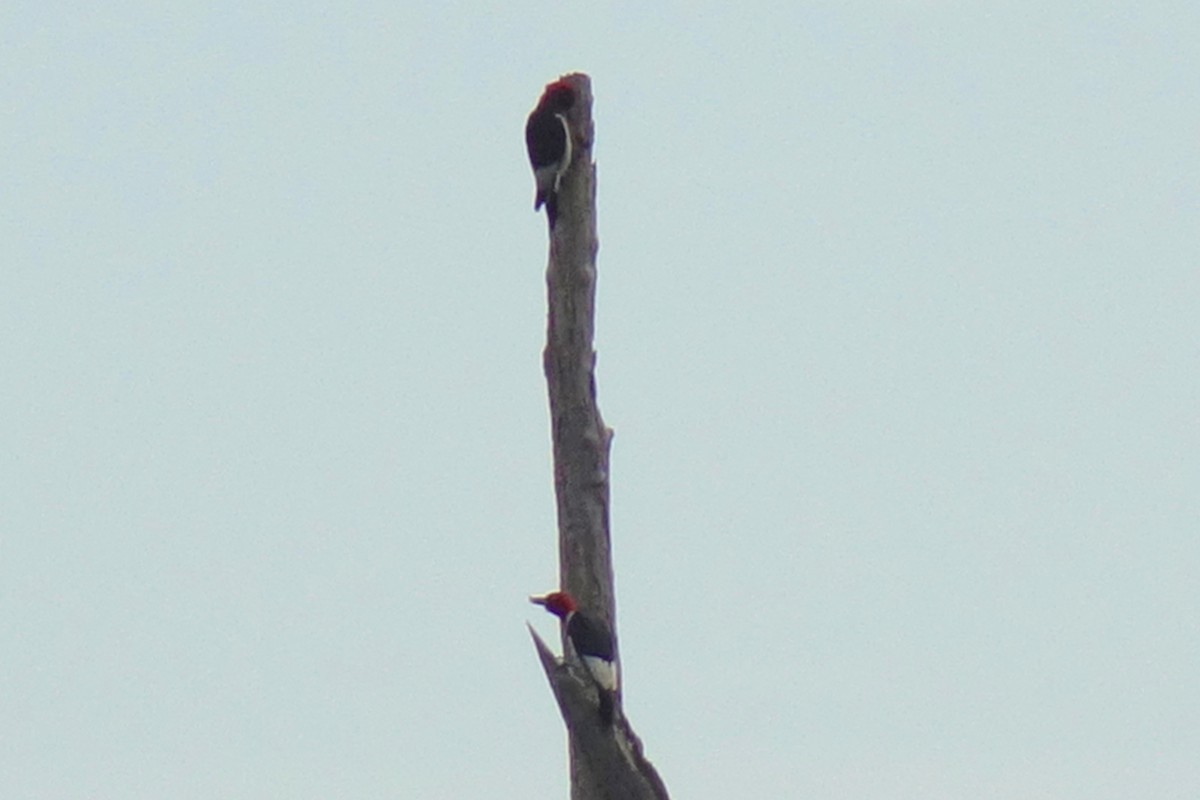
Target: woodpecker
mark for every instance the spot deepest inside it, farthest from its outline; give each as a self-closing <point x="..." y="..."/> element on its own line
<point x="592" y="642"/>
<point x="548" y="139"/>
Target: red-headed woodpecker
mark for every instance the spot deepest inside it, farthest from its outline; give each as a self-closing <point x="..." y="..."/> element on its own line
<point x="548" y="139"/>
<point x="592" y="642"/>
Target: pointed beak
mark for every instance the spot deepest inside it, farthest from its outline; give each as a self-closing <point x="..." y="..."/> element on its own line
<point x="537" y="600"/>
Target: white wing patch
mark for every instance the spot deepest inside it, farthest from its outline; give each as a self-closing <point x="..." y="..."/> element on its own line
<point x="604" y="672"/>
<point x="562" y="166"/>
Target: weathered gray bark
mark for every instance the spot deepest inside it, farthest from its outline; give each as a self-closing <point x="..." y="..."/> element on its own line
<point x="606" y="761"/>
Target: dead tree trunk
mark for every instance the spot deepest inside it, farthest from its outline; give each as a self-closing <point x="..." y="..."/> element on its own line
<point x="606" y="761"/>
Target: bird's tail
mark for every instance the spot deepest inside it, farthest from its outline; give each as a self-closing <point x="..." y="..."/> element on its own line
<point x="607" y="707"/>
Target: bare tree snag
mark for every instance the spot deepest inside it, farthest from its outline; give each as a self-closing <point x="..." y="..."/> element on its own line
<point x="606" y="761"/>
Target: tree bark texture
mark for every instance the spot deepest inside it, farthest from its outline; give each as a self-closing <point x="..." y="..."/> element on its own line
<point x="606" y="761"/>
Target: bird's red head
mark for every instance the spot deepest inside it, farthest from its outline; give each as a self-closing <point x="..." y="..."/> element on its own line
<point x="558" y="603"/>
<point x="559" y="96"/>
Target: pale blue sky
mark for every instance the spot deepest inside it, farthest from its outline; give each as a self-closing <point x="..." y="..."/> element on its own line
<point x="897" y="326"/>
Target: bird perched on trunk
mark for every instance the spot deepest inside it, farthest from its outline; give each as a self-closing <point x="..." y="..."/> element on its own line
<point x="548" y="139"/>
<point x="592" y="642"/>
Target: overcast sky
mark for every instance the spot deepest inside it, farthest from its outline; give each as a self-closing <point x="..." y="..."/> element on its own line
<point x="898" y="328"/>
